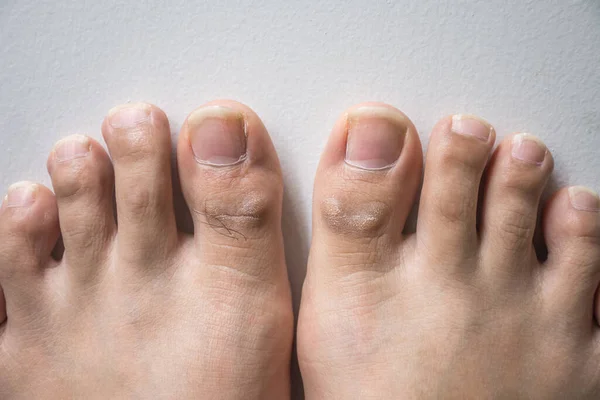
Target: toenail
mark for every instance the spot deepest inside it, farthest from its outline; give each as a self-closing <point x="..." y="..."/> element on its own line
<point x="129" y="115"/>
<point x="217" y="135"/>
<point x="469" y="125"/>
<point x="375" y="137"/>
<point x="584" y="199"/>
<point x="528" y="148"/>
<point x="21" y="194"/>
<point x="70" y="148"/>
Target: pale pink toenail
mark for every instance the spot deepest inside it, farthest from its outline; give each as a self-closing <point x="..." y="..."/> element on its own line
<point x="469" y="125"/>
<point x="70" y="148"/>
<point x="375" y="137"/>
<point x="528" y="148"/>
<point x="584" y="199"/>
<point x="129" y="115"/>
<point x="217" y="135"/>
<point x="21" y="194"/>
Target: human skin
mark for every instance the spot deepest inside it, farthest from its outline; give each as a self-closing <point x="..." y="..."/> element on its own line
<point x="463" y="308"/>
<point x="140" y="310"/>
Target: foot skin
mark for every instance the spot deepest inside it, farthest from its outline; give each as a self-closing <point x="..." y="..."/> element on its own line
<point x="462" y="309"/>
<point x="141" y="310"/>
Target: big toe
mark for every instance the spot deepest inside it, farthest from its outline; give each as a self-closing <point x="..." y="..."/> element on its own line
<point x="232" y="183"/>
<point x="365" y="187"/>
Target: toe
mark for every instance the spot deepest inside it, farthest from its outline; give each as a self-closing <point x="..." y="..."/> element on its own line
<point x="365" y="187"/>
<point x="232" y="183"/>
<point x="458" y="151"/>
<point x="516" y="177"/>
<point x="28" y="232"/>
<point x="572" y="232"/>
<point x="82" y="178"/>
<point x="139" y="142"/>
<point x="2" y="307"/>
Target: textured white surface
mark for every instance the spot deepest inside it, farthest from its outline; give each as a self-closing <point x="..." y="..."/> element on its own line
<point x="524" y="65"/>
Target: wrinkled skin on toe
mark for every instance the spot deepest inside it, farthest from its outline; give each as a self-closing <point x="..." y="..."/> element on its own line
<point x="462" y="309"/>
<point x="136" y="309"/>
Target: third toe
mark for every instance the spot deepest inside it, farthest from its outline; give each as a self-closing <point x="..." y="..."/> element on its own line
<point x="82" y="178"/>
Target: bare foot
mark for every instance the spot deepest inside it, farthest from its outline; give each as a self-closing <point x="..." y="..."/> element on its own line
<point x="142" y="311"/>
<point x="463" y="308"/>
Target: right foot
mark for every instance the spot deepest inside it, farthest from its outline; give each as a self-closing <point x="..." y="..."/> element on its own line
<point x="463" y="308"/>
<point x="143" y="311"/>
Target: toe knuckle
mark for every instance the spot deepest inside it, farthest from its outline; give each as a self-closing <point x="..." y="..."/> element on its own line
<point x="80" y="180"/>
<point x="136" y="149"/>
<point x="465" y="160"/>
<point x="140" y="203"/>
<point x="454" y="208"/>
<point x="516" y="229"/>
<point x="138" y="144"/>
<point x="70" y="183"/>
<point x="523" y="182"/>
<point x="346" y="214"/>
<point x="240" y="214"/>
<point x="583" y="225"/>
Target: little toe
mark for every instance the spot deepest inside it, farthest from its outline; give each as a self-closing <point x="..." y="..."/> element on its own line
<point x="231" y="180"/>
<point x="28" y="232"/>
<point x="139" y="142"/>
<point x="365" y="187"/>
<point x="516" y="178"/>
<point x="458" y="151"/>
<point x="82" y="177"/>
<point x="572" y="232"/>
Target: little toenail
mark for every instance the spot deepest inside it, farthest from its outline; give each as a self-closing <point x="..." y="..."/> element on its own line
<point x="21" y="194"/>
<point x="70" y="148"/>
<point x="584" y="199"/>
<point x="528" y="148"/>
<point x="129" y="115"/>
<point x="375" y="137"/>
<point x="217" y="135"/>
<point x="469" y="125"/>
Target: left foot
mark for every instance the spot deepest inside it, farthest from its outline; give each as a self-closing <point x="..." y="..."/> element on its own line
<point x="142" y="311"/>
<point x="462" y="309"/>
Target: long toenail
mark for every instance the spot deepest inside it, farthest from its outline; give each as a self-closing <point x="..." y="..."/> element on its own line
<point x="528" y="148"/>
<point x="375" y="137"/>
<point x="217" y="135"/>
<point x="584" y="199"/>
<point x="469" y="125"/>
<point x="129" y="115"/>
<point x="21" y="194"/>
<point x="72" y="147"/>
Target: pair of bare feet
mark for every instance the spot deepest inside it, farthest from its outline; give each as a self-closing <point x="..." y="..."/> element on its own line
<point x="461" y="309"/>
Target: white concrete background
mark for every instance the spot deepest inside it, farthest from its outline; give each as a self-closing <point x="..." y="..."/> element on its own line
<point x="524" y="65"/>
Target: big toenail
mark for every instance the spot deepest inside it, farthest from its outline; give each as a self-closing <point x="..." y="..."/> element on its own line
<point x="217" y="135"/>
<point x="469" y="125"/>
<point x="129" y="115"/>
<point x="584" y="199"/>
<point x="21" y="194"/>
<point x="528" y="148"/>
<point x="375" y="137"/>
<point x="70" y="148"/>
